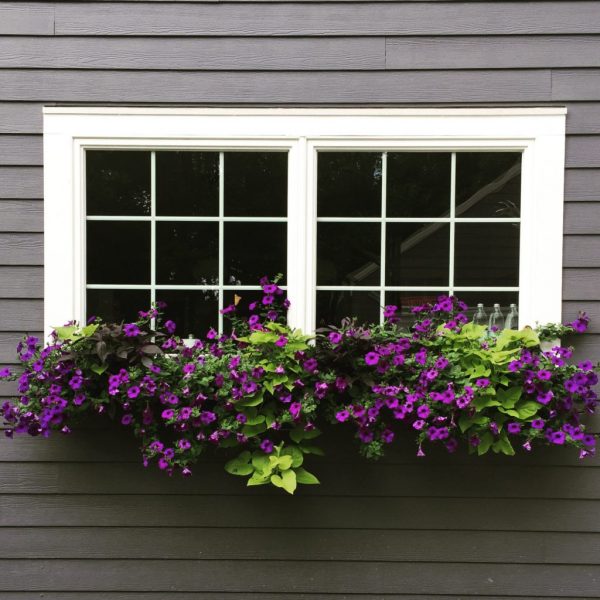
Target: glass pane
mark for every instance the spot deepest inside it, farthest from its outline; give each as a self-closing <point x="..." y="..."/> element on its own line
<point x="488" y="299"/>
<point x="245" y="298"/>
<point x="405" y="301"/>
<point x="488" y="184"/>
<point x="187" y="183"/>
<point x="194" y="312"/>
<point x="117" y="305"/>
<point x="348" y="253"/>
<point x="417" y="254"/>
<point x="253" y="250"/>
<point x="117" y="182"/>
<point x="332" y="307"/>
<point x="349" y="184"/>
<point x="256" y="184"/>
<point x="187" y="253"/>
<point x="418" y="184"/>
<point x="118" y="252"/>
<point x="486" y="254"/>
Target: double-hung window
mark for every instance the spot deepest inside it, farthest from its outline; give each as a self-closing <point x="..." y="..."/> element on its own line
<point x="355" y="208"/>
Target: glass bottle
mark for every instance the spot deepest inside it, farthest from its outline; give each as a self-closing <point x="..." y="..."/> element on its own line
<point x="496" y="320"/>
<point x="512" y="319"/>
<point x="480" y="317"/>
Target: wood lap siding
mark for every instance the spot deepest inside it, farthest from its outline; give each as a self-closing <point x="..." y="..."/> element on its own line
<point x="80" y="518"/>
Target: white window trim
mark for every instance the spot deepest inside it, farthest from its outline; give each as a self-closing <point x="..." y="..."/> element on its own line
<point x="538" y="132"/>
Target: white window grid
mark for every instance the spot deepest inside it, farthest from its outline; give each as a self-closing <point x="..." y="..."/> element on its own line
<point x="452" y="219"/>
<point x="153" y="219"/>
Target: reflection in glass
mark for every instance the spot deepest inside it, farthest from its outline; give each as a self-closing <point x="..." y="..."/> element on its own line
<point x="117" y="182"/>
<point x="488" y="184"/>
<point x="117" y="305"/>
<point x="349" y="184"/>
<point x="332" y="307"/>
<point x="187" y="183"/>
<point x="256" y="184"/>
<point x="405" y="301"/>
<point x="118" y="252"/>
<point x="488" y="299"/>
<point x="194" y="312"/>
<point x="187" y="253"/>
<point x="486" y="254"/>
<point x="418" y="184"/>
<point x="348" y="253"/>
<point x="253" y="250"/>
<point x="417" y="254"/>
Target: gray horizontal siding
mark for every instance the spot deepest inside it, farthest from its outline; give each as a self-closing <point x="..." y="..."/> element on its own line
<point x="80" y="519"/>
<point x="243" y="576"/>
<point x="328" y="19"/>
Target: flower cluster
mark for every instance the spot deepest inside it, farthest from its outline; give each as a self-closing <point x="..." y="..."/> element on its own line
<point x="264" y="389"/>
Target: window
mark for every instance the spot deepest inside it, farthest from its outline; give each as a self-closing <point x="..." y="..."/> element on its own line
<point x="356" y="207"/>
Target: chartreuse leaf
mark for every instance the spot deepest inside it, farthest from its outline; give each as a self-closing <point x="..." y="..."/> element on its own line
<point x="258" y="479"/>
<point x="277" y="481"/>
<point x="260" y="462"/>
<point x="304" y="477"/>
<point x="288" y="481"/>
<point x="252" y="430"/>
<point x="502" y="444"/>
<point x="295" y="453"/>
<point x="68" y="332"/>
<point x="99" y="369"/>
<point x="471" y="331"/>
<point x="284" y="462"/>
<point x="526" y="410"/>
<point x="240" y="465"/>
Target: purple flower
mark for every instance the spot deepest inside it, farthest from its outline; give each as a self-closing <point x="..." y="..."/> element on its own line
<point x="295" y="408"/>
<point x="589" y="440"/>
<point x="186" y="472"/>
<point x="545" y="397"/>
<point x="581" y="323"/>
<point x="207" y="417"/>
<point x="131" y="330"/>
<point x="266" y="446"/>
<point x="126" y="419"/>
<point x="538" y="424"/>
<point x="167" y="414"/>
<point x="241" y="418"/>
<point x="387" y="436"/>
<point x="586" y="365"/>
<point x="268" y="300"/>
<point x="335" y="337"/>
<point x="282" y="341"/>
<point x="78" y="399"/>
<point x="170" y="326"/>
<point x="371" y="358"/>
<point x="389" y="311"/>
<point x="441" y="363"/>
<point x="423" y="411"/>
<point x="269" y="288"/>
<point x="310" y="365"/>
<point x="557" y="437"/>
<point x="418" y="424"/>
<point x="5" y="372"/>
<point x="189" y="368"/>
<point x="514" y="428"/>
<point x="184" y="444"/>
<point x="342" y="415"/>
<point x="483" y="382"/>
<point x="544" y="375"/>
<point x="133" y="392"/>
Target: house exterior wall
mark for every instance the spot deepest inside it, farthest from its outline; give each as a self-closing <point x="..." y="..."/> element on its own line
<point x="79" y="517"/>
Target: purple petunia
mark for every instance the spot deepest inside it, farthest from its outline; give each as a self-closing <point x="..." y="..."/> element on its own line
<point x="170" y="326"/>
<point x="389" y="311"/>
<point x="131" y="330"/>
<point x="482" y="382"/>
<point x="514" y="428"/>
<point x="335" y="337"/>
<point x="133" y="392"/>
<point x="371" y="358"/>
<point x="266" y="446"/>
<point x="342" y="415"/>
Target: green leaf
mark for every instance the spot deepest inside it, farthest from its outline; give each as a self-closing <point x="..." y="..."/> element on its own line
<point x="99" y="369"/>
<point x="306" y="478"/>
<point x="239" y="467"/>
<point x="260" y="462"/>
<point x="255" y="420"/>
<point x="276" y="481"/>
<point x="297" y="434"/>
<point x="89" y="330"/>
<point x="251" y="401"/>
<point x="482" y="402"/>
<point x="295" y="453"/>
<point x="252" y="430"/>
<point x="68" y="332"/>
<point x="284" y="462"/>
<point x="288" y="481"/>
<point x="309" y="449"/>
<point x="471" y="331"/>
<point x="503" y="445"/>
<point x="487" y="439"/>
<point x="258" y="479"/>
<point x="527" y="409"/>
<point x="508" y="398"/>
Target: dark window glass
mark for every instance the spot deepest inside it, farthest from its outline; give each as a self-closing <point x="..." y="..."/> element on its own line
<point x="118" y="252"/>
<point x="117" y="305"/>
<point x="486" y="254"/>
<point x="417" y="254"/>
<point x="488" y="184"/>
<point x="187" y="183"/>
<point x="187" y="253"/>
<point x="332" y="307"/>
<point x="348" y="253"/>
<point x="253" y="250"/>
<point x="256" y="184"/>
<point x="418" y="184"/>
<point x="405" y="301"/>
<point x="117" y="182"/>
<point x="349" y="184"/>
<point x="194" y="312"/>
<point x="488" y="299"/>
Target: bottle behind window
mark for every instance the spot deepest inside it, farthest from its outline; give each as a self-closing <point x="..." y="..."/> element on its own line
<point x="496" y="320"/>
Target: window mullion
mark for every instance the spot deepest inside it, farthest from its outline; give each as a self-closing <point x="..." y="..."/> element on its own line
<point x="382" y="261"/>
<point x="452" y="220"/>
<point x="153" y="231"/>
<point x="221" y="236"/>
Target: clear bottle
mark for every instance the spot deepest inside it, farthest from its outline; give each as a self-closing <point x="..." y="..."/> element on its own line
<point x="480" y="317"/>
<point x="496" y="320"/>
<point x="512" y="318"/>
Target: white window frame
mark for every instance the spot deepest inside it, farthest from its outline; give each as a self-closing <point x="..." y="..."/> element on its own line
<point x="539" y="133"/>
